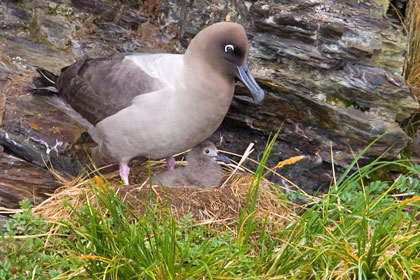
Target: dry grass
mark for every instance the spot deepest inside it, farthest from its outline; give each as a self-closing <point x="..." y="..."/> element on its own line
<point x="357" y="230"/>
<point x="412" y="64"/>
<point x="412" y="61"/>
<point x="215" y="207"/>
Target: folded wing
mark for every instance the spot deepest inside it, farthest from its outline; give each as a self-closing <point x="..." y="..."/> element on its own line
<point x="98" y="88"/>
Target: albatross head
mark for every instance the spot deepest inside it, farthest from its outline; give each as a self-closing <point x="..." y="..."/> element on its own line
<point x="206" y="152"/>
<point x="224" y="47"/>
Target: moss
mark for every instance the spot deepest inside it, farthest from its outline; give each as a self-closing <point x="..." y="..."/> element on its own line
<point x="271" y="85"/>
<point x="35" y="31"/>
<point x="388" y="173"/>
<point x="344" y="102"/>
<point x="407" y="152"/>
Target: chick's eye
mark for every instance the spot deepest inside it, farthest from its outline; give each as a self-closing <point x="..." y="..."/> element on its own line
<point x="229" y="48"/>
<point x="207" y="151"/>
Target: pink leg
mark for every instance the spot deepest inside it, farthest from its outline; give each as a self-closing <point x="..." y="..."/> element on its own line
<point x="124" y="172"/>
<point x="170" y="163"/>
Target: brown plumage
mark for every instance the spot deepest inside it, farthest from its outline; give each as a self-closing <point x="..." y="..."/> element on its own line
<point x="153" y="105"/>
<point x="201" y="171"/>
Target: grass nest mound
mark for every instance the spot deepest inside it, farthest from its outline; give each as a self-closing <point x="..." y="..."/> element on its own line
<point x="216" y="206"/>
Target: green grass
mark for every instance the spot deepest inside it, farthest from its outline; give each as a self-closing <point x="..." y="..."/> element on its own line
<point x="37" y="254"/>
<point x="151" y="246"/>
<point x="359" y="230"/>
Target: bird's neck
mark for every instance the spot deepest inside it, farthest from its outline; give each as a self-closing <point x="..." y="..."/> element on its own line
<point x="209" y="82"/>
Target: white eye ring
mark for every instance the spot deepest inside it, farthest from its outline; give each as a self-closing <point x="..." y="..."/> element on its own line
<point x="229" y="48"/>
<point x="207" y="151"/>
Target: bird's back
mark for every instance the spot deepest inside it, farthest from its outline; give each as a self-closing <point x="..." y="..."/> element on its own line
<point x="98" y="88"/>
<point x="171" y="178"/>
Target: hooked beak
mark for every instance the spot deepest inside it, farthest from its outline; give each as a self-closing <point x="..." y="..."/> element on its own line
<point x="222" y="158"/>
<point x="246" y="77"/>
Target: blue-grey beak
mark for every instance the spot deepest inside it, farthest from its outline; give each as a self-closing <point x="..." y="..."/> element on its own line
<point x="222" y="158"/>
<point x="246" y="77"/>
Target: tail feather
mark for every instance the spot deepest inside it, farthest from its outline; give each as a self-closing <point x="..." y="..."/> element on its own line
<point x="45" y="83"/>
<point x="49" y="77"/>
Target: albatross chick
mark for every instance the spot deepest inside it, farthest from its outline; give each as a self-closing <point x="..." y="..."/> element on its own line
<point x="201" y="171"/>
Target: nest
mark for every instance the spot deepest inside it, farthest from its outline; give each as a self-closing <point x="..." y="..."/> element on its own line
<point x="216" y="206"/>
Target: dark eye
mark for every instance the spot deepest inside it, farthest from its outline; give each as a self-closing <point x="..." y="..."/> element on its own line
<point x="207" y="151"/>
<point x="229" y="48"/>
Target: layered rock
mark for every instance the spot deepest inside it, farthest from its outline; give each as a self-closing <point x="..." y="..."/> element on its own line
<point x="331" y="71"/>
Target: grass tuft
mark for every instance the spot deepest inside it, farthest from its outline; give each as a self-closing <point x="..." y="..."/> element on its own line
<point x="412" y="65"/>
<point x="412" y="61"/>
<point x="361" y="229"/>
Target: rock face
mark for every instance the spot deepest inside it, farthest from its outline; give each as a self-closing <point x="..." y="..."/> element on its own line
<point x="20" y="179"/>
<point x="331" y="71"/>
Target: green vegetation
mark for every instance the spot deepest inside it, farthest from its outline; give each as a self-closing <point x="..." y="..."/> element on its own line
<point x="344" y="102"/>
<point x="359" y="230"/>
<point x="35" y="30"/>
<point x="32" y="248"/>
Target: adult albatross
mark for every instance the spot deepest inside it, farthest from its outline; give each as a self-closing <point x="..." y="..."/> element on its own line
<point x="153" y="105"/>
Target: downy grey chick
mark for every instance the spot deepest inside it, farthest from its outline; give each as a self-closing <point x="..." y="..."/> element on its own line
<point x="201" y="171"/>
